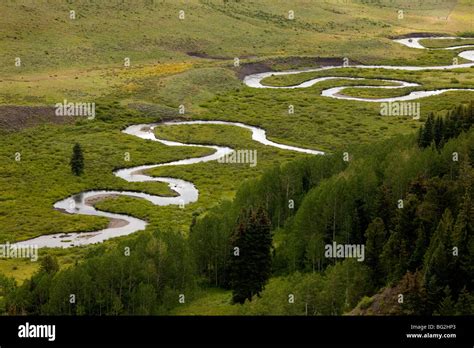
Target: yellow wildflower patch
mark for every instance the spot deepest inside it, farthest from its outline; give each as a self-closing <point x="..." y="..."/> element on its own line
<point x="155" y="70"/>
<point x="130" y="87"/>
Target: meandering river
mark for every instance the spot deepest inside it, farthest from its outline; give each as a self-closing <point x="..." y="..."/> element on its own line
<point x="83" y="203"/>
<point x="186" y="192"/>
<point x="255" y="80"/>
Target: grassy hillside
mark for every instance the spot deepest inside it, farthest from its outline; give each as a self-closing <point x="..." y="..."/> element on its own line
<point x="84" y="57"/>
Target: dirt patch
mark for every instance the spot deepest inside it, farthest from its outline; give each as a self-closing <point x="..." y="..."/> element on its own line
<point x="411" y="35"/>
<point x="13" y="118"/>
<point x="115" y="223"/>
<point x="206" y="56"/>
<point x="209" y="56"/>
<point x="385" y="302"/>
<point x="287" y="63"/>
<point x="96" y="199"/>
<point x="308" y="62"/>
<point x="252" y="68"/>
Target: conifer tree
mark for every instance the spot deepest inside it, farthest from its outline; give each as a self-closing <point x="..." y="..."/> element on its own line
<point x="463" y="241"/>
<point x="415" y="299"/>
<point x="77" y="160"/>
<point x="427" y="134"/>
<point x="438" y="132"/>
<point x="447" y="305"/>
<point x="250" y="264"/>
<point x="49" y="264"/>
<point x="397" y="252"/>
<point x="384" y="206"/>
<point x="439" y="260"/>
<point x="465" y="303"/>
<point x="375" y="236"/>
<point x="421" y="131"/>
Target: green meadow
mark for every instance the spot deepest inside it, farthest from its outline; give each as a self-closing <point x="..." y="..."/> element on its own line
<point x="190" y="62"/>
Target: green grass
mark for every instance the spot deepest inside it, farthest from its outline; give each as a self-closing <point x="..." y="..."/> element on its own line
<point x="28" y="187"/>
<point x="64" y="58"/>
<point x="20" y="269"/>
<point x="212" y="302"/>
<point x="82" y="60"/>
<point x="23" y="269"/>
<point x="377" y="93"/>
<point x="215" y="181"/>
<point x="446" y="43"/>
<point x="444" y="79"/>
<point x="428" y="79"/>
<point x="320" y="122"/>
<point x="189" y="88"/>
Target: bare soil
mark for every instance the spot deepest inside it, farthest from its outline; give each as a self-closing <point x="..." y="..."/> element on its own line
<point x="411" y="35"/>
<point x="14" y="118"/>
<point x="287" y="63"/>
<point x="94" y="200"/>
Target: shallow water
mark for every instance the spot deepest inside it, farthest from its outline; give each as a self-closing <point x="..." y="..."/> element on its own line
<point x="186" y="191"/>
<point x="255" y="80"/>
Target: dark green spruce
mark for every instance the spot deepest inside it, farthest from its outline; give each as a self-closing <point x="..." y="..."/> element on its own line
<point x="77" y="160"/>
<point x="250" y="265"/>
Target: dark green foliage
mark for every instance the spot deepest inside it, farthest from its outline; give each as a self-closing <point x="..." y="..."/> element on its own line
<point x="439" y="259"/>
<point x="360" y="222"/>
<point x="463" y="237"/>
<point x="426" y="132"/>
<point x="147" y="281"/>
<point x="368" y="189"/>
<point x="465" y="303"/>
<point x="250" y="263"/>
<point x="447" y="305"/>
<point x="77" y="160"/>
<point x="375" y="239"/>
<point x="439" y="129"/>
<point x="49" y="264"/>
<point x="398" y="251"/>
<point x="414" y="294"/>
<point x="209" y="241"/>
<point x="7" y="286"/>
<point x="385" y="206"/>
